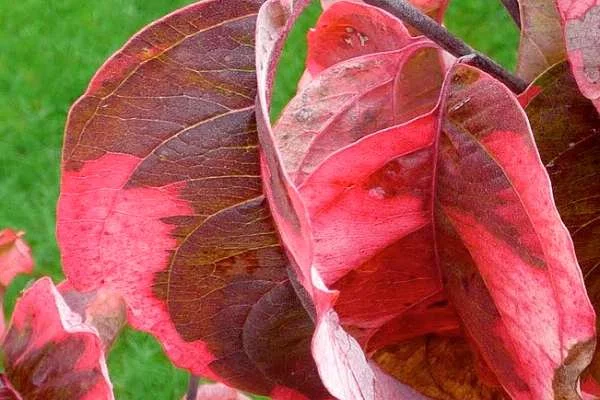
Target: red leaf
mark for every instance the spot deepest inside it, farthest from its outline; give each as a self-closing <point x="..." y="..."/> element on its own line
<point x="581" y="22"/>
<point x="484" y="153"/>
<point x="49" y="353"/>
<point x="161" y="201"/>
<point x="332" y="347"/>
<point x="15" y="256"/>
<point x="353" y="99"/>
<point x="341" y="362"/>
<point x="15" y="259"/>
<point x="346" y="30"/>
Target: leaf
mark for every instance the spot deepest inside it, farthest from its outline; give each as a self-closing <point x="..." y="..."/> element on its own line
<point x="102" y="309"/>
<point x="161" y="201"/>
<point x="542" y="42"/>
<point x="342" y="365"/>
<point x="347" y="30"/>
<point x="488" y="229"/>
<point x="566" y="128"/>
<point x="581" y="22"/>
<point x="49" y="353"/>
<point x="218" y="391"/>
<point x="15" y="256"/>
<point x="352" y="99"/>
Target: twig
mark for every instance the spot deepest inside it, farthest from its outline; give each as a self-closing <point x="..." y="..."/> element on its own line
<point x="193" y="385"/>
<point x="512" y="6"/>
<point x="449" y="42"/>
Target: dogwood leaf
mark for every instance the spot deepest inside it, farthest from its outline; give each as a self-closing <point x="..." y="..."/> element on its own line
<point x="353" y="99"/>
<point x="49" y="353"/>
<point x="342" y="364"/>
<point x="15" y="259"/>
<point x="348" y="29"/>
<point x="161" y="201"/>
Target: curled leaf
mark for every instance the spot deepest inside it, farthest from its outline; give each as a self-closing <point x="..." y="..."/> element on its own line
<point x="49" y="353"/>
<point x="342" y="365"/>
<point x="347" y="29"/>
<point x="15" y="259"/>
<point x="355" y="98"/>
<point x="103" y="309"/>
<point x="472" y="234"/>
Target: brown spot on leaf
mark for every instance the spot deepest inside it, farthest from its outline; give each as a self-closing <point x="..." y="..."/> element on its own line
<point x="464" y="76"/>
<point x="566" y="377"/>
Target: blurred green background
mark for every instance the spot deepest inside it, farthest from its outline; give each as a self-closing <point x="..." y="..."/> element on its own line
<point x="48" y="52"/>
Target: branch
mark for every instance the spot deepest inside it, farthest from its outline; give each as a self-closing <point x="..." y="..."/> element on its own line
<point x="449" y="42"/>
<point x="193" y="384"/>
<point x="512" y="6"/>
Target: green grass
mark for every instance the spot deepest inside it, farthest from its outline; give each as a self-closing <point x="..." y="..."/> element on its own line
<point x="48" y="52"/>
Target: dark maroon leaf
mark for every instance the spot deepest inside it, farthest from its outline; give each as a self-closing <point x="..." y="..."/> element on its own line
<point x="567" y="131"/>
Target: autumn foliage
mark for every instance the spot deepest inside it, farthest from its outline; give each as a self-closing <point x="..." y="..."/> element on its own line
<point x="408" y="228"/>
